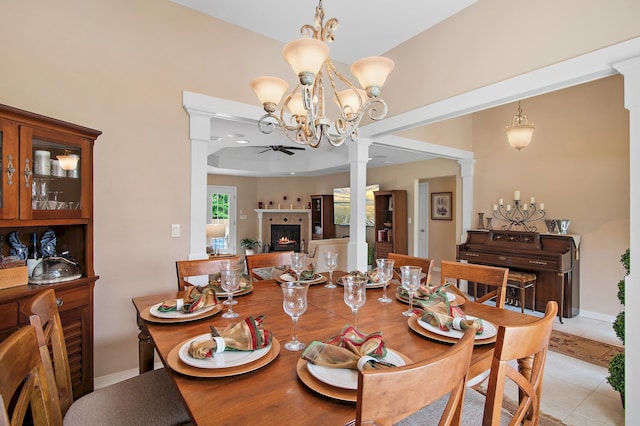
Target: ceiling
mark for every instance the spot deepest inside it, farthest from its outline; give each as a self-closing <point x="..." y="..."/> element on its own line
<point x="358" y="35"/>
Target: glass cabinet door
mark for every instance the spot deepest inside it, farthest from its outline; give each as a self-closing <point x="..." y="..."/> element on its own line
<point x="9" y="170"/>
<point x="57" y="176"/>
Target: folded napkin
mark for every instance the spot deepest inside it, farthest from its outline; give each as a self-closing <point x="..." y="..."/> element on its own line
<point x="371" y="276"/>
<point x="447" y="317"/>
<point x="194" y="299"/>
<point x="427" y="293"/>
<point x="349" y="349"/>
<point x="307" y="274"/>
<point x="246" y="335"/>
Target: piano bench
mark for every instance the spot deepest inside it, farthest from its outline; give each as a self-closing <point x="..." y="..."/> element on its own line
<point x="522" y="281"/>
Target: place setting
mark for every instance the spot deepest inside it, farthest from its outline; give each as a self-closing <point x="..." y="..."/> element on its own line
<point x="197" y="303"/>
<point x="428" y="292"/>
<point x="240" y="348"/>
<point x="302" y="270"/>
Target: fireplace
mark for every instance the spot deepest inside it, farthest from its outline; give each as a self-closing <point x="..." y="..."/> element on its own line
<point x="285" y="238"/>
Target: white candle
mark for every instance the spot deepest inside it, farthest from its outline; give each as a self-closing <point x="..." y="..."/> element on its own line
<point x="533" y="200"/>
<point x="541" y="206"/>
<point x="525" y="207"/>
<point x="501" y="202"/>
<point x="516" y="195"/>
<point x="508" y="207"/>
<point x="278" y="206"/>
<point x="291" y="206"/>
<point x="495" y="207"/>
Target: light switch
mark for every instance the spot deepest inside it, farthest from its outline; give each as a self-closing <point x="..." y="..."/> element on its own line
<point x="175" y="230"/>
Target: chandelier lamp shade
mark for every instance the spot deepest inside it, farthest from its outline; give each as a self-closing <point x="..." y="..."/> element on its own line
<point x="68" y="161"/>
<point x="520" y="132"/>
<point x="301" y="112"/>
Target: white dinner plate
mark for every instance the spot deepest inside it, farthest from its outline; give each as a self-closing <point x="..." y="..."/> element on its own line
<point x="489" y="331"/>
<point x="378" y="284"/>
<point x="450" y="296"/>
<point x="290" y="278"/>
<point x="224" y="359"/>
<point x="177" y="314"/>
<point x="344" y="377"/>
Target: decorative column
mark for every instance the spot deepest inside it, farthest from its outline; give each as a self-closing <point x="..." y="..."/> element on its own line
<point x="358" y="158"/>
<point x="630" y="69"/>
<point x="467" y="170"/>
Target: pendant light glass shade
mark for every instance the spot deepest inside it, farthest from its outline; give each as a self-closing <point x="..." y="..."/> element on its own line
<point x="269" y="89"/>
<point x="520" y="132"/>
<point x="372" y="71"/>
<point x="305" y="55"/>
<point x="68" y="161"/>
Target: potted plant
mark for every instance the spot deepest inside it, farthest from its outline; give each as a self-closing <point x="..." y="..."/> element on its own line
<point x="616" y="365"/>
<point x="250" y="245"/>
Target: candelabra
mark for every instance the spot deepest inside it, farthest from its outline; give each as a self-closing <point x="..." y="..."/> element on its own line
<point x="519" y="214"/>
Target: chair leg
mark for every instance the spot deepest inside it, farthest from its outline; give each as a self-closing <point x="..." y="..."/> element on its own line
<point x="522" y="291"/>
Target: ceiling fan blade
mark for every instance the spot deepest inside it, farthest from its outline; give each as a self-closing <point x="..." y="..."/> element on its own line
<point x="294" y="147"/>
<point x="286" y="151"/>
<point x="266" y="150"/>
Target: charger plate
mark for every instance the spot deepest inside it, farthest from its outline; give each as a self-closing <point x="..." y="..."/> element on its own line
<point x="415" y="326"/>
<point x="283" y="278"/>
<point x="146" y="315"/>
<point x="176" y="364"/>
<point x="325" y="389"/>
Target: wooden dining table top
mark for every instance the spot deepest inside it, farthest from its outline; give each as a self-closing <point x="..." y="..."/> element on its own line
<point x="274" y="393"/>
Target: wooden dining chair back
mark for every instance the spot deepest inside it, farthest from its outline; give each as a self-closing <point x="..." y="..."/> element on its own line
<point x="492" y="276"/>
<point x="125" y="402"/>
<point x="24" y="379"/>
<point x="528" y="344"/>
<point x="45" y="307"/>
<point x="265" y="260"/>
<point x="194" y="268"/>
<point x="405" y="260"/>
<point x="389" y="395"/>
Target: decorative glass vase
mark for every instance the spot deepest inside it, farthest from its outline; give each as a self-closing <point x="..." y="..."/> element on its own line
<point x="480" y="220"/>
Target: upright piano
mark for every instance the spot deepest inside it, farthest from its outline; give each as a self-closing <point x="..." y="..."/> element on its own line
<point x="553" y="258"/>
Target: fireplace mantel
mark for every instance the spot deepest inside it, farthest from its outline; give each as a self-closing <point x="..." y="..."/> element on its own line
<point x="267" y="217"/>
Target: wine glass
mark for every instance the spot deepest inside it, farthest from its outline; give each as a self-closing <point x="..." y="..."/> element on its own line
<point x="294" y="304"/>
<point x="355" y="293"/>
<point x="331" y="262"/>
<point x="385" y="273"/>
<point x="226" y="264"/>
<point x="298" y="263"/>
<point x="230" y="282"/>
<point x="411" y="282"/>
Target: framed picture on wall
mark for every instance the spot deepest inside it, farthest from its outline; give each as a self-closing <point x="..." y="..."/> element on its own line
<point x="441" y="206"/>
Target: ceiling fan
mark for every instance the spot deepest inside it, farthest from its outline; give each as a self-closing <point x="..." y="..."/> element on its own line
<point x="282" y="148"/>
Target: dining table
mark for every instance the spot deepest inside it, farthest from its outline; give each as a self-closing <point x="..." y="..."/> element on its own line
<point x="281" y="391"/>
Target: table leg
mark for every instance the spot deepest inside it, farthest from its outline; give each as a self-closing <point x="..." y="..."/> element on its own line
<point x="145" y="349"/>
<point x="525" y="365"/>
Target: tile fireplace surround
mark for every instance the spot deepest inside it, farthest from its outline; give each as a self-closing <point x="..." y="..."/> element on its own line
<point x="268" y="217"/>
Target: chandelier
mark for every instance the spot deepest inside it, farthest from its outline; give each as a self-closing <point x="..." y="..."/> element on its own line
<point x="305" y="122"/>
<point x="520" y="131"/>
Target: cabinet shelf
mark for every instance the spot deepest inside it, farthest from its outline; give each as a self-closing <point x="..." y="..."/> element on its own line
<point x="390" y="222"/>
<point x="322" y="225"/>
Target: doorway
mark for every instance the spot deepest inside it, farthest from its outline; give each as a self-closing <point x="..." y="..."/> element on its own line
<point x="221" y="219"/>
<point x="423" y="219"/>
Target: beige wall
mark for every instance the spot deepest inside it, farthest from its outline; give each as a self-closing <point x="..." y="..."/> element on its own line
<point x="121" y="67"/>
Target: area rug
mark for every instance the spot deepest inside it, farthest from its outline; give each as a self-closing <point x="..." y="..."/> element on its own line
<point x="582" y="348"/>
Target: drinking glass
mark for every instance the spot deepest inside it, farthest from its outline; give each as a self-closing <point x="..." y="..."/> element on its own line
<point x="411" y="282"/>
<point x="226" y="264"/>
<point x="385" y="273"/>
<point x="230" y="282"/>
<point x="355" y="293"/>
<point x="294" y="304"/>
<point x="331" y="262"/>
<point x="298" y="263"/>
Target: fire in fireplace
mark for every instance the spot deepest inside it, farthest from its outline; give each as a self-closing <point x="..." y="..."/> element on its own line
<point x="285" y="237"/>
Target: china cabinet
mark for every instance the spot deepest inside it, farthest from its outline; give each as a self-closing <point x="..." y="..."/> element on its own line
<point x="322" y="225"/>
<point x="390" y="222"/>
<point x="38" y="195"/>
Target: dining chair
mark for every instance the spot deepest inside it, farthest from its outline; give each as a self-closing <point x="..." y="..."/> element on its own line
<point x="491" y="276"/>
<point x="528" y="344"/>
<point x="23" y="379"/>
<point x="194" y="268"/>
<point x="387" y="396"/>
<point x="150" y="396"/>
<point x="405" y="260"/>
<point x="264" y="260"/>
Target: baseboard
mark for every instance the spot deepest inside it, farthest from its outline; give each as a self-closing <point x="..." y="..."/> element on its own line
<point x="597" y="316"/>
<point x="113" y="378"/>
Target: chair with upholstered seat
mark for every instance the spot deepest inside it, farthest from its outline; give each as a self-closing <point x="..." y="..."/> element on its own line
<point x="194" y="268"/>
<point x="405" y="260"/>
<point x="491" y="276"/>
<point x="389" y="395"/>
<point x="529" y="345"/>
<point x="266" y="260"/>
<point x="24" y="379"/>
<point x="150" y="396"/>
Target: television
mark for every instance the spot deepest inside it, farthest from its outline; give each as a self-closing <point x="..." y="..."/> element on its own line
<point x="342" y="205"/>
